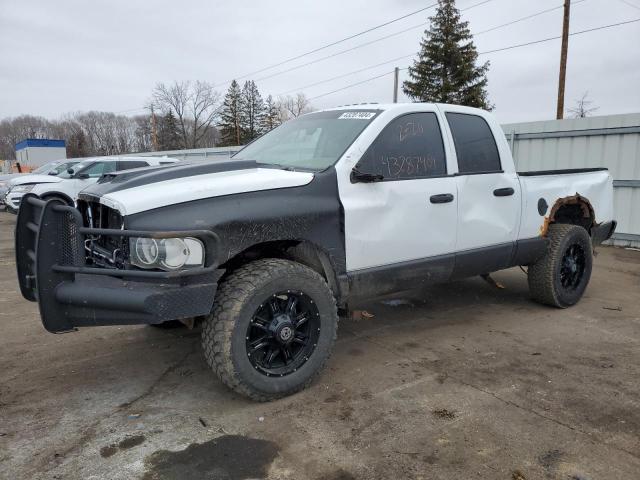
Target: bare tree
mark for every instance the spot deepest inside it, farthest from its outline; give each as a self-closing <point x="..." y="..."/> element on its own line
<point x="196" y="106"/>
<point x="583" y="107"/>
<point x="292" y="107"/>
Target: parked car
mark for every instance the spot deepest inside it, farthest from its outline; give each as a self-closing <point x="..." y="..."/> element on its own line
<point x="332" y="207"/>
<point x="12" y="179"/>
<point x="66" y="185"/>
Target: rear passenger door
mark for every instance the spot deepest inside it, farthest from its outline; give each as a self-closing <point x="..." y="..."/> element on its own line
<point x="488" y="197"/>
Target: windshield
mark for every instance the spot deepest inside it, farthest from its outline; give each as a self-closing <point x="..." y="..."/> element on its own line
<point x="61" y="168"/>
<point x="311" y="142"/>
<point x="76" y="168"/>
<point x="46" y="167"/>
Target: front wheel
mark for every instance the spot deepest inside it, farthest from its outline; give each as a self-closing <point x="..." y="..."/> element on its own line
<point x="272" y="329"/>
<point x="560" y="277"/>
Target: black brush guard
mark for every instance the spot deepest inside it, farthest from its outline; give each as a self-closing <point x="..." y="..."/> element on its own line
<point x="53" y="271"/>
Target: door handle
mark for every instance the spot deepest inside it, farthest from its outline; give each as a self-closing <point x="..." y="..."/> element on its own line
<point x="441" y="198"/>
<point x="504" y="192"/>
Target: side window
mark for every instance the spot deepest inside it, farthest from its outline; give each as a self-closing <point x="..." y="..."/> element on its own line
<point x="476" y="148"/>
<point x="409" y="147"/>
<point x="99" y="168"/>
<point x="132" y="164"/>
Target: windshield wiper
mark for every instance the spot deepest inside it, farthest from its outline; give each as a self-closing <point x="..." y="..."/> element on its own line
<point x="278" y="166"/>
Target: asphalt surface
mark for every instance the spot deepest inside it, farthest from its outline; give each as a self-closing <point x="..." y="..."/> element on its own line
<point x="458" y="381"/>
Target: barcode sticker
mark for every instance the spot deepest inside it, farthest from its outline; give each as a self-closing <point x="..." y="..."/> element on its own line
<point x="357" y="115"/>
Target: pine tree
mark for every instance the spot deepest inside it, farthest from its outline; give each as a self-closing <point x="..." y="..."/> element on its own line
<point x="252" y="112"/>
<point x="230" y="124"/>
<point x="168" y="135"/>
<point x="272" y="116"/>
<point x="445" y="70"/>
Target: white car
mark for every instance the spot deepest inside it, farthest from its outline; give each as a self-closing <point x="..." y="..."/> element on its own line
<point x="68" y="184"/>
<point x="38" y="175"/>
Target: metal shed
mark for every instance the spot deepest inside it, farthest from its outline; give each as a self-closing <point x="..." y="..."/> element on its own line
<point x="611" y="141"/>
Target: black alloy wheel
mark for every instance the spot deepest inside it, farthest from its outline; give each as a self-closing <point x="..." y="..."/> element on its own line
<point x="283" y="333"/>
<point x="572" y="267"/>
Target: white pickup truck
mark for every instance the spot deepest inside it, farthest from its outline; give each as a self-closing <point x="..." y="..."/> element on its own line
<point x="336" y="205"/>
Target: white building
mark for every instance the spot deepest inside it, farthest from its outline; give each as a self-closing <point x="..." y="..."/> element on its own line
<point x="34" y="152"/>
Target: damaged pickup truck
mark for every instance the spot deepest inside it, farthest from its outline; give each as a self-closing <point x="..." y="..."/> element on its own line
<point x="335" y="206"/>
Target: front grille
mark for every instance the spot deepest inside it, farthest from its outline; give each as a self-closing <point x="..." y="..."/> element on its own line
<point x="103" y="250"/>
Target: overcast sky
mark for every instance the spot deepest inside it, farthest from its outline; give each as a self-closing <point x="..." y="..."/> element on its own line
<point x="72" y="55"/>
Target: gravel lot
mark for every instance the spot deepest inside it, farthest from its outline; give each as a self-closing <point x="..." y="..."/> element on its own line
<point x="459" y="381"/>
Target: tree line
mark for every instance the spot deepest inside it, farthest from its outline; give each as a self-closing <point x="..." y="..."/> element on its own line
<point x="181" y="115"/>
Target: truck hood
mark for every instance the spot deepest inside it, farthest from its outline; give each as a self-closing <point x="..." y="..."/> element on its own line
<point x="34" y="178"/>
<point x="148" y="189"/>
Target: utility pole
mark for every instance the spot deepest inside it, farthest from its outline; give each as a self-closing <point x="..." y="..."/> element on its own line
<point x="395" y="84"/>
<point x="154" y="131"/>
<point x="563" y="59"/>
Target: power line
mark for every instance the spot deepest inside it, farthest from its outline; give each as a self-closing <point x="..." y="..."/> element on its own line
<point x="350" y="37"/>
<point x="630" y="4"/>
<point x="524" y="18"/>
<point x="560" y="36"/>
<point x="352" y="85"/>
<point x="341" y="52"/>
<point x="343" y="75"/>
<point x="510" y="47"/>
<point x="404" y="56"/>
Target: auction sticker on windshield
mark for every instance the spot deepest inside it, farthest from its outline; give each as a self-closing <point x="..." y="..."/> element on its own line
<point x="357" y="116"/>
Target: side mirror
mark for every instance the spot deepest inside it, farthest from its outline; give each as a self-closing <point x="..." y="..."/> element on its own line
<point x="70" y="171"/>
<point x="361" y="177"/>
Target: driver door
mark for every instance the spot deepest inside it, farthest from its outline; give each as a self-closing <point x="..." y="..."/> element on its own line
<point x="402" y="228"/>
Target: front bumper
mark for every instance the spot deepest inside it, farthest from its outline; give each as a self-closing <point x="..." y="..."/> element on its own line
<point x="52" y="270"/>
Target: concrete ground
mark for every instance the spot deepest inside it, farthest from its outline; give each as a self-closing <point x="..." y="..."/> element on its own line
<point x="459" y="381"/>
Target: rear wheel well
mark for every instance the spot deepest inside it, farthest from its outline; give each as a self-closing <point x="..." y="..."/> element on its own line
<point x="305" y="253"/>
<point x="574" y="210"/>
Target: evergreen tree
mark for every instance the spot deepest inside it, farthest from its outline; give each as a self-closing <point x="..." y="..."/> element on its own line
<point x="252" y="112"/>
<point x="445" y="70"/>
<point x="231" y="122"/>
<point x="168" y="134"/>
<point x="272" y="116"/>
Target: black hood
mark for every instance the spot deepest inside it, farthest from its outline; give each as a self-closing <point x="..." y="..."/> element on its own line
<point x="116" y="181"/>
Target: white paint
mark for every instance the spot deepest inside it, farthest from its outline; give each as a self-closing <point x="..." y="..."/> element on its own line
<point x="390" y="222"/>
<point x="186" y="189"/>
<point x="71" y="187"/>
<point x="597" y="187"/>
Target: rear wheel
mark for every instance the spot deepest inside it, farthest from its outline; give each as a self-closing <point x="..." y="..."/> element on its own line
<point x="562" y="275"/>
<point x="272" y="328"/>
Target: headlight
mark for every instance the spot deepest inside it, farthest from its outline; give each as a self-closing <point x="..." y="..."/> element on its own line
<point x="22" y="188"/>
<point x="166" y="253"/>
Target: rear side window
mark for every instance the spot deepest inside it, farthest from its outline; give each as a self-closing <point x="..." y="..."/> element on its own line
<point x="476" y="148"/>
<point x="98" y="169"/>
<point x="409" y="147"/>
<point x="132" y="164"/>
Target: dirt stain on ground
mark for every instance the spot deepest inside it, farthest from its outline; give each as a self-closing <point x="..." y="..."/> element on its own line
<point x="230" y="457"/>
<point x="131" y="442"/>
<point x="339" y="474"/>
<point x="444" y="413"/>
<point x="124" y="444"/>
